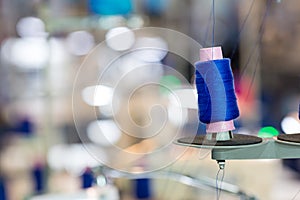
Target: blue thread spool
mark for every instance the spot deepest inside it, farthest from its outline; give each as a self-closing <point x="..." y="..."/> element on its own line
<point x="3" y="195"/>
<point x="143" y="188"/>
<point x="216" y="97"/>
<point x="87" y="178"/>
<point x="38" y="176"/>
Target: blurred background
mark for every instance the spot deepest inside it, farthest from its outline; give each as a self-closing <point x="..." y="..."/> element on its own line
<point x="46" y="46"/>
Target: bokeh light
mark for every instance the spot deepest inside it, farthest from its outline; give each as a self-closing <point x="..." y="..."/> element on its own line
<point x="31" y="27"/>
<point x="99" y="95"/>
<point x="169" y="83"/>
<point x="78" y="158"/>
<point x="268" y="132"/>
<point x="103" y="132"/>
<point x="80" y="42"/>
<point x="30" y="53"/>
<point x="150" y="49"/>
<point x="290" y="125"/>
<point x="120" y="38"/>
<point x="187" y="98"/>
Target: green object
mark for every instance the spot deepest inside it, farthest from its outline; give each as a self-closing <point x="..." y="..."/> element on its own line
<point x="169" y="83"/>
<point x="268" y="132"/>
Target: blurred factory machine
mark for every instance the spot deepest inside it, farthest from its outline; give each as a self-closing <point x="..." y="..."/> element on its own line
<point x="88" y="104"/>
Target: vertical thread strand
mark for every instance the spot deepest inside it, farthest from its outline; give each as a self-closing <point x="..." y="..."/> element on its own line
<point x="208" y="25"/>
<point x="241" y="30"/>
<point x="213" y="27"/>
<point x="219" y="185"/>
<point x="260" y="34"/>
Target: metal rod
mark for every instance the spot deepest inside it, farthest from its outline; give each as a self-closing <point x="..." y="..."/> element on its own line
<point x="204" y="183"/>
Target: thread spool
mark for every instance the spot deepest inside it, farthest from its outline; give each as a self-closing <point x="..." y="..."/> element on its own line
<point x="217" y="100"/>
<point x="218" y="128"/>
<point x="208" y="58"/>
<point x="38" y="175"/>
<point x="143" y="188"/>
<point x="3" y="192"/>
<point x="87" y="178"/>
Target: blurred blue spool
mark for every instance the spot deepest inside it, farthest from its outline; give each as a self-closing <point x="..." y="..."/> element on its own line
<point x="2" y="190"/>
<point x="143" y="188"/>
<point x="215" y="88"/>
<point x="87" y="178"/>
<point x="38" y="178"/>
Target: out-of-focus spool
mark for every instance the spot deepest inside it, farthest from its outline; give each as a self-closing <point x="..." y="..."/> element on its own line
<point x="3" y="195"/>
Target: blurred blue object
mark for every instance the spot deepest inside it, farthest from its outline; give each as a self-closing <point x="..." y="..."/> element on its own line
<point x="110" y="7"/>
<point x="156" y="7"/>
<point x="143" y="188"/>
<point x="2" y="190"/>
<point x="25" y="126"/>
<point x="87" y="178"/>
<point x="38" y="178"/>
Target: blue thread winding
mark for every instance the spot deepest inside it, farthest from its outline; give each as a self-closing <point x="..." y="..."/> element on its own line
<point x="215" y="87"/>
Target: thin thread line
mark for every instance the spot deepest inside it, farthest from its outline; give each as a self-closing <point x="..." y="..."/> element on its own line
<point x="252" y="53"/>
<point x="219" y="186"/>
<point x="169" y="171"/>
<point x="259" y="38"/>
<point x="208" y="26"/>
<point x="213" y="28"/>
<point x="241" y="30"/>
<point x="253" y="76"/>
<point x="296" y="195"/>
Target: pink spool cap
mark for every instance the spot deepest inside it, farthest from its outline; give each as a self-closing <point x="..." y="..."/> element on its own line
<point x="212" y="53"/>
